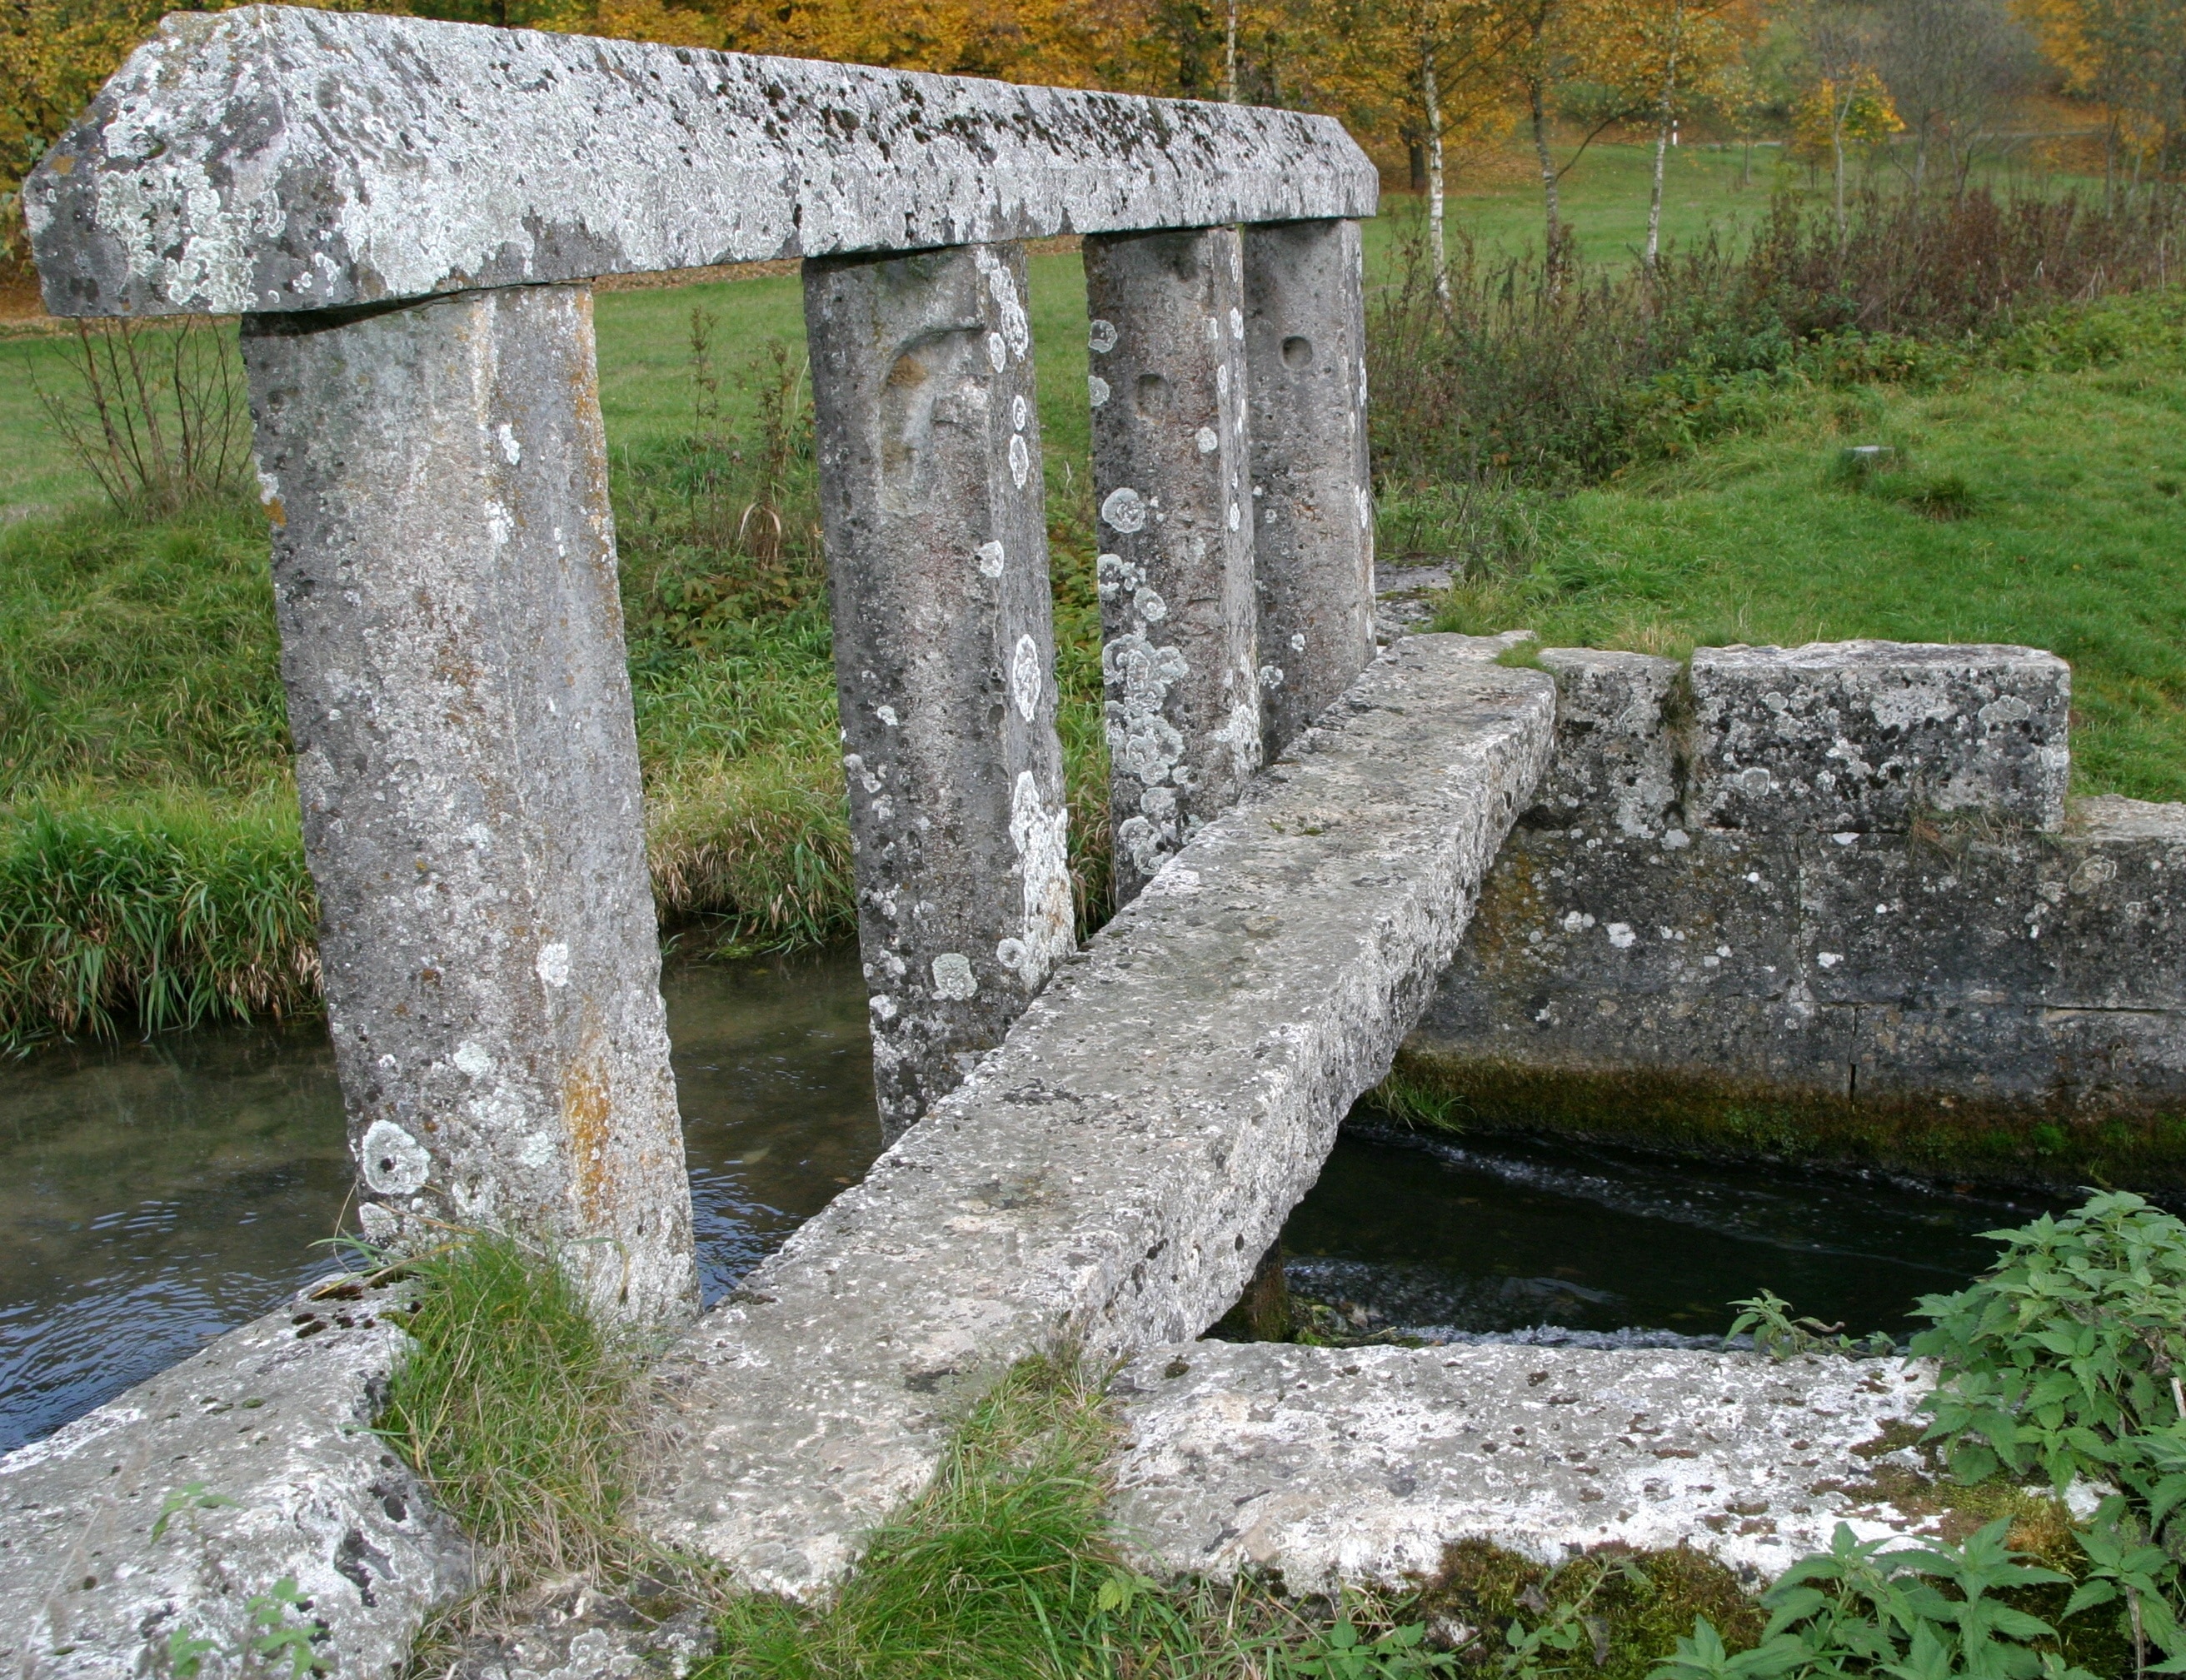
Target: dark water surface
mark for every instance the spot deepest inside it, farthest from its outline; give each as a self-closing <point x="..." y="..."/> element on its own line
<point x="1502" y="1233"/>
<point x="153" y="1195"/>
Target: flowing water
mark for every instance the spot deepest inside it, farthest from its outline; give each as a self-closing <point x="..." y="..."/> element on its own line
<point x="153" y="1195"/>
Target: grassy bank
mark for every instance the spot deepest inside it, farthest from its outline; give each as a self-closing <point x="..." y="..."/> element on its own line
<point x="2035" y="493"/>
<point x="1615" y="469"/>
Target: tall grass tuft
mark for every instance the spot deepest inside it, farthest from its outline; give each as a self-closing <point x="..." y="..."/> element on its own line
<point x="162" y="913"/>
<point x="516" y="1409"/>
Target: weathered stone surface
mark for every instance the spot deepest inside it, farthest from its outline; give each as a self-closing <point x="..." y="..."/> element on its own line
<point x="1866" y="735"/>
<point x="451" y="644"/>
<point x="928" y="429"/>
<point x="576" y="1631"/>
<point x="1313" y="491"/>
<point x="1351" y="1465"/>
<point x="1111" y="1175"/>
<point x="269" y="1425"/>
<point x="1171" y="459"/>
<point x="1616" y="754"/>
<point x="1812" y="957"/>
<point x="272" y="158"/>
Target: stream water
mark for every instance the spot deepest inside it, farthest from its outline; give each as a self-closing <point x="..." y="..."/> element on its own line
<point x="153" y="1195"/>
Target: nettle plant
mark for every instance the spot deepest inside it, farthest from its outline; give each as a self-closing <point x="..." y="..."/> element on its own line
<point x="2064" y="1362"/>
<point x="2062" y="1365"/>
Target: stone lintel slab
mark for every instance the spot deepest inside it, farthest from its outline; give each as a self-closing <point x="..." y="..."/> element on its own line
<point x="1109" y="1177"/>
<point x="1359" y="1465"/>
<point x="1851" y="735"/>
<point x="274" y="1420"/>
<point x="278" y="157"/>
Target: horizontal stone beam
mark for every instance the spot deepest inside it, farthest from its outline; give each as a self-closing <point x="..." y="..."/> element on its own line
<point x="1111" y="1175"/>
<point x="279" y="159"/>
<point x="1358" y="1465"/>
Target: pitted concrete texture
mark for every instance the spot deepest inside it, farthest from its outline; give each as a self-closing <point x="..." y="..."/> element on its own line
<point x="272" y="158"/>
<point x="1171" y="462"/>
<point x="1357" y="1465"/>
<point x="1867" y="735"/>
<point x="928" y="430"/>
<point x="1313" y="488"/>
<point x="262" y="1445"/>
<point x="1864" y="951"/>
<point x="444" y="573"/>
<point x="1109" y="1176"/>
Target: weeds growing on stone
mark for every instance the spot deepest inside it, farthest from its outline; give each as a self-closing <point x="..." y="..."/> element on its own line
<point x="1006" y="1567"/>
<point x="517" y="1410"/>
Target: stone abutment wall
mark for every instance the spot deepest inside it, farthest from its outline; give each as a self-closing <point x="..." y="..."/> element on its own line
<point x="1828" y="901"/>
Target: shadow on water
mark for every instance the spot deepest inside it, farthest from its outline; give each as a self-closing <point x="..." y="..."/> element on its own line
<point x="153" y="1195"/>
<point x="1498" y="1234"/>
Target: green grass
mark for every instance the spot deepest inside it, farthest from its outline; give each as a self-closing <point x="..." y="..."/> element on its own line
<point x="2039" y="504"/>
<point x="1006" y="1567"/>
<point x="148" y="871"/>
<point x="516" y="1409"/>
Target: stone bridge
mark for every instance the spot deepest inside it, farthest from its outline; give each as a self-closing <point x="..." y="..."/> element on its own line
<point x="1093" y="1148"/>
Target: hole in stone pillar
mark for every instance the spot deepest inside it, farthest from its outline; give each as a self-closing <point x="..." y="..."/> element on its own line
<point x="1296" y="351"/>
<point x="1153" y="396"/>
<point x="929" y="366"/>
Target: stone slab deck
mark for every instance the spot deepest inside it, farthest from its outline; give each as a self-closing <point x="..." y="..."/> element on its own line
<point x="274" y="1421"/>
<point x="1359" y="1465"/>
<point x="1110" y="1176"/>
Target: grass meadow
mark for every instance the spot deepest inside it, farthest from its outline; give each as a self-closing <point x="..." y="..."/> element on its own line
<point x="149" y="871"/>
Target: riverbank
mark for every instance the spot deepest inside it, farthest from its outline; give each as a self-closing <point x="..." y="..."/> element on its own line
<point x="150" y="870"/>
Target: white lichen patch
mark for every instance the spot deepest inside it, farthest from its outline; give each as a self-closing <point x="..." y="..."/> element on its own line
<point x="1124" y="510"/>
<point x="552" y="965"/>
<point x="394" y="1163"/>
<point x="1025" y="680"/>
<point x="953" y="977"/>
<point x="1040" y="830"/>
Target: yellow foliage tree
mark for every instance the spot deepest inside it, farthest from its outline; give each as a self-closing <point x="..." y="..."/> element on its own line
<point x="2130" y="57"/>
<point x="1430" y="69"/>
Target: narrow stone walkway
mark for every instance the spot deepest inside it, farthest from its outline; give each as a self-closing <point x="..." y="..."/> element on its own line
<point x="1110" y="1176"/>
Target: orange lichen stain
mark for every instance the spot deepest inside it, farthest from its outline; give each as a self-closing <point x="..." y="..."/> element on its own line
<point x="62" y="163"/>
<point x="585" y="1113"/>
<point x="275" y="514"/>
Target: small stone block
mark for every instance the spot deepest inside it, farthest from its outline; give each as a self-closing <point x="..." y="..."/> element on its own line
<point x="1838" y="736"/>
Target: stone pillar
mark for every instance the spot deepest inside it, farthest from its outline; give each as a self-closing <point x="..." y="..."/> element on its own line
<point x="444" y="571"/>
<point x="1305" y="350"/>
<point x="934" y="511"/>
<point x="1175" y="531"/>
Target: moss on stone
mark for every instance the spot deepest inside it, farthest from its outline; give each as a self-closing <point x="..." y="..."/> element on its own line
<point x="1641" y="1601"/>
<point x="1948" y="1139"/>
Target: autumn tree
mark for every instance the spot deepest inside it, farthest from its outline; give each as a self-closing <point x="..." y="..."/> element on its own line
<point x="1427" y="67"/>
<point x="1950" y="65"/>
<point x="1847" y="103"/>
<point x="2130" y="57"/>
<point x="1657" y="61"/>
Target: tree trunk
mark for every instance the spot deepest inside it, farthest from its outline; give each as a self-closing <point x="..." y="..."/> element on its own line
<point x="1837" y="166"/>
<point x="1230" y="55"/>
<point x="1437" y="253"/>
<point x="1536" y="98"/>
<point x="1663" y="114"/>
